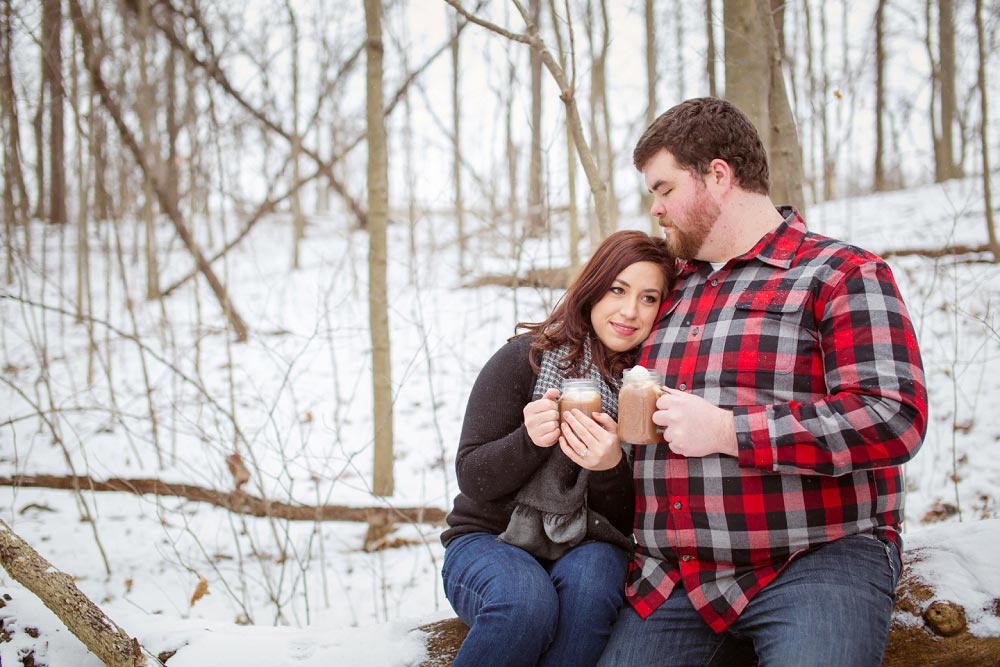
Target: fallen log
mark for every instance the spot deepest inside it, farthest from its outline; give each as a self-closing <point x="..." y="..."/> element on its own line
<point x="238" y="501"/>
<point x="928" y="629"/>
<point x="101" y="635"/>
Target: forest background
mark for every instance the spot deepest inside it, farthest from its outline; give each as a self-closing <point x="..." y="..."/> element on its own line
<point x="255" y="253"/>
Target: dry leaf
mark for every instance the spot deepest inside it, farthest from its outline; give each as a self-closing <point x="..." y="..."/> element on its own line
<point x="200" y="591"/>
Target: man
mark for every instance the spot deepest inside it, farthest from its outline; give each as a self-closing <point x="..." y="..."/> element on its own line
<point x="769" y="515"/>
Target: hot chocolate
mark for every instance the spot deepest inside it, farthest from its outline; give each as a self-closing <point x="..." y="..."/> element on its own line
<point x="582" y="394"/>
<point x="636" y="404"/>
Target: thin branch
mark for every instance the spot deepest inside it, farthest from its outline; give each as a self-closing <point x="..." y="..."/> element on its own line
<point x="237" y="502"/>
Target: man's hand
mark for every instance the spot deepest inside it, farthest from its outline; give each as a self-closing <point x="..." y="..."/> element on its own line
<point x="694" y="427"/>
<point x="541" y="418"/>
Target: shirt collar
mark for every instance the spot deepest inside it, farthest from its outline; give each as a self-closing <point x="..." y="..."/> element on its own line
<point x="777" y="247"/>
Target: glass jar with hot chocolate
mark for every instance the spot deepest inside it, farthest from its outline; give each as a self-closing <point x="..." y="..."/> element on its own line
<point x="581" y="393"/>
<point x="636" y="405"/>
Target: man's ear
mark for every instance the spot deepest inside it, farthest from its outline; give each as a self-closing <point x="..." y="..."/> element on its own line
<point x="720" y="175"/>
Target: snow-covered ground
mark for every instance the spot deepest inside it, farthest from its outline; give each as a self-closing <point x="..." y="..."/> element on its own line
<point x="295" y="402"/>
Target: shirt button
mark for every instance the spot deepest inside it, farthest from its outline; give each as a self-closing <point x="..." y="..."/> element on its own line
<point x="678" y="505"/>
<point x="687" y="558"/>
<point x="682" y="386"/>
<point x="715" y="282"/>
<point x="695" y="331"/>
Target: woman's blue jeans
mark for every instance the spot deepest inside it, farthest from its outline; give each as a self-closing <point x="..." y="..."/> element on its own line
<point x="828" y="608"/>
<point x="525" y="611"/>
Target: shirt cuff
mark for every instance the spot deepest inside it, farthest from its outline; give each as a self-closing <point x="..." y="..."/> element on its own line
<point x="753" y="437"/>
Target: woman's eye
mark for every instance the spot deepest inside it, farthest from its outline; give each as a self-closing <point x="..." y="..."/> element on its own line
<point x="617" y="290"/>
<point x="649" y="298"/>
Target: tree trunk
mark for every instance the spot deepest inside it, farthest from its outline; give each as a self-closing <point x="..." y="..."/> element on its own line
<point x="147" y="103"/>
<point x="747" y="60"/>
<point x="98" y="150"/>
<point x="536" y="218"/>
<point x="880" y="180"/>
<point x="298" y="219"/>
<point x="574" y="222"/>
<point x="378" y="213"/>
<point x="513" y="203"/>
<point x="83" y="299"/>
<point x="646" y="199"/>
<point x="755" y="83"/>
<point x="54" y="79"/>
<point x="7" y="123"/>
<point x="57" y="590"/>
<point x="710" y="55"/>
<point x="785" y="155"/>
<point x="984" y="134"/>
<point x="945" y="165"/>
<point x="679" y="32"/>
<point x="456" y="156"/>
<point x="828" y="161"/>
<point x="173" y="128"/>
<point x="38" y="121"/>
<point x="13" y="172"/>
<point x="609" y="147"/>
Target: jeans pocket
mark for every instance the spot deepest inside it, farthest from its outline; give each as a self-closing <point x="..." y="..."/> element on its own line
<point x="892" y="559"/>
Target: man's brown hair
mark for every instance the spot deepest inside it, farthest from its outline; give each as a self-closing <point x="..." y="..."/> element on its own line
<point x="702" y="129"/>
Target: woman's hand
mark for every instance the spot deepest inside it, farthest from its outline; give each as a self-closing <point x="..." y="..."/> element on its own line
<point x="590" y="442"/>
<point x="541" y="418"/>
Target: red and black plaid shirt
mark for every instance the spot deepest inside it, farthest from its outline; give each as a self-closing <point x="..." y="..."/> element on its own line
<point x="807" y="340"/>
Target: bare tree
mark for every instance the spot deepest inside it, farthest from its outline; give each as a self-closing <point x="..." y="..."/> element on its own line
<point x="566" y="61"/>
<point x="646" y="199"/>
<point x="567" y="95"/>
<point x="93" y="63"/>
<point x="456" y="157"/>
<point x="536" y="217"/>
<point x="880" y="180"/>
<point x="983" y="132"/>
<point x="298" y="219"/>
<point x="378" y="213"/>
<point x="14" y="196"/>
<point x="945" y="165"/>
<point x="147" y="103"/>
<point x="755" y="83"/>
<point x="57" y="149"/>
<point x="710" y="56"/>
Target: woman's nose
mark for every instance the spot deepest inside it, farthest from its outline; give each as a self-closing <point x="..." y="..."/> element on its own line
<point x="629" y="308"/>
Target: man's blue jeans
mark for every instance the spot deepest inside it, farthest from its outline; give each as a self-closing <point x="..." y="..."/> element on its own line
<point x="829" y="608"/>
<point x="522" y="611"/>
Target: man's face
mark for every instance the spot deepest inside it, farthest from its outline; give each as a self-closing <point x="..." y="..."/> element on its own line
<point x="682" y="203"/>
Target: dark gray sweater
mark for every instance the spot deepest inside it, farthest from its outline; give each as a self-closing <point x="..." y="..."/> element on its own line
<point x="496" y="457"/>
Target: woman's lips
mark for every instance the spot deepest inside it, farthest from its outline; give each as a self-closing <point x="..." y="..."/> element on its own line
<point x="623" y="329"/>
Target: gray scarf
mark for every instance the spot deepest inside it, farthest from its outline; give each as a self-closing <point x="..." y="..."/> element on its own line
<point x="550" y="512"/>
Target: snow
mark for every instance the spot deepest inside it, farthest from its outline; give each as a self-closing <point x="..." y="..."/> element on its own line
<point x="300" y="394"/>
<point x="960" y="561"/>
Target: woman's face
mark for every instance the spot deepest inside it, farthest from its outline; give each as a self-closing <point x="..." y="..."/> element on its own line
<point x="624" y="316"/>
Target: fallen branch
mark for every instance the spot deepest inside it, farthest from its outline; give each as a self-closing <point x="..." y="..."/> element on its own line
<point x="238" y="502"/>
<point x="101" y="635"/>
<point x="936" y="253"/>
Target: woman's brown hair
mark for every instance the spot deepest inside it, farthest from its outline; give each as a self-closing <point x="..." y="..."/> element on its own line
<point x="570" y="322"/>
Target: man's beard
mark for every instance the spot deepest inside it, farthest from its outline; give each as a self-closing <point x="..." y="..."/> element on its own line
<point x="698" y="220"/>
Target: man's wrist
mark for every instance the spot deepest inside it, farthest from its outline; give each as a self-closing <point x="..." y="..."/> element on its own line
<point x="727" y="434"/>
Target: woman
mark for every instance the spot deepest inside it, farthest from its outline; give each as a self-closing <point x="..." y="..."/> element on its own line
<point x="535" y="554"/>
